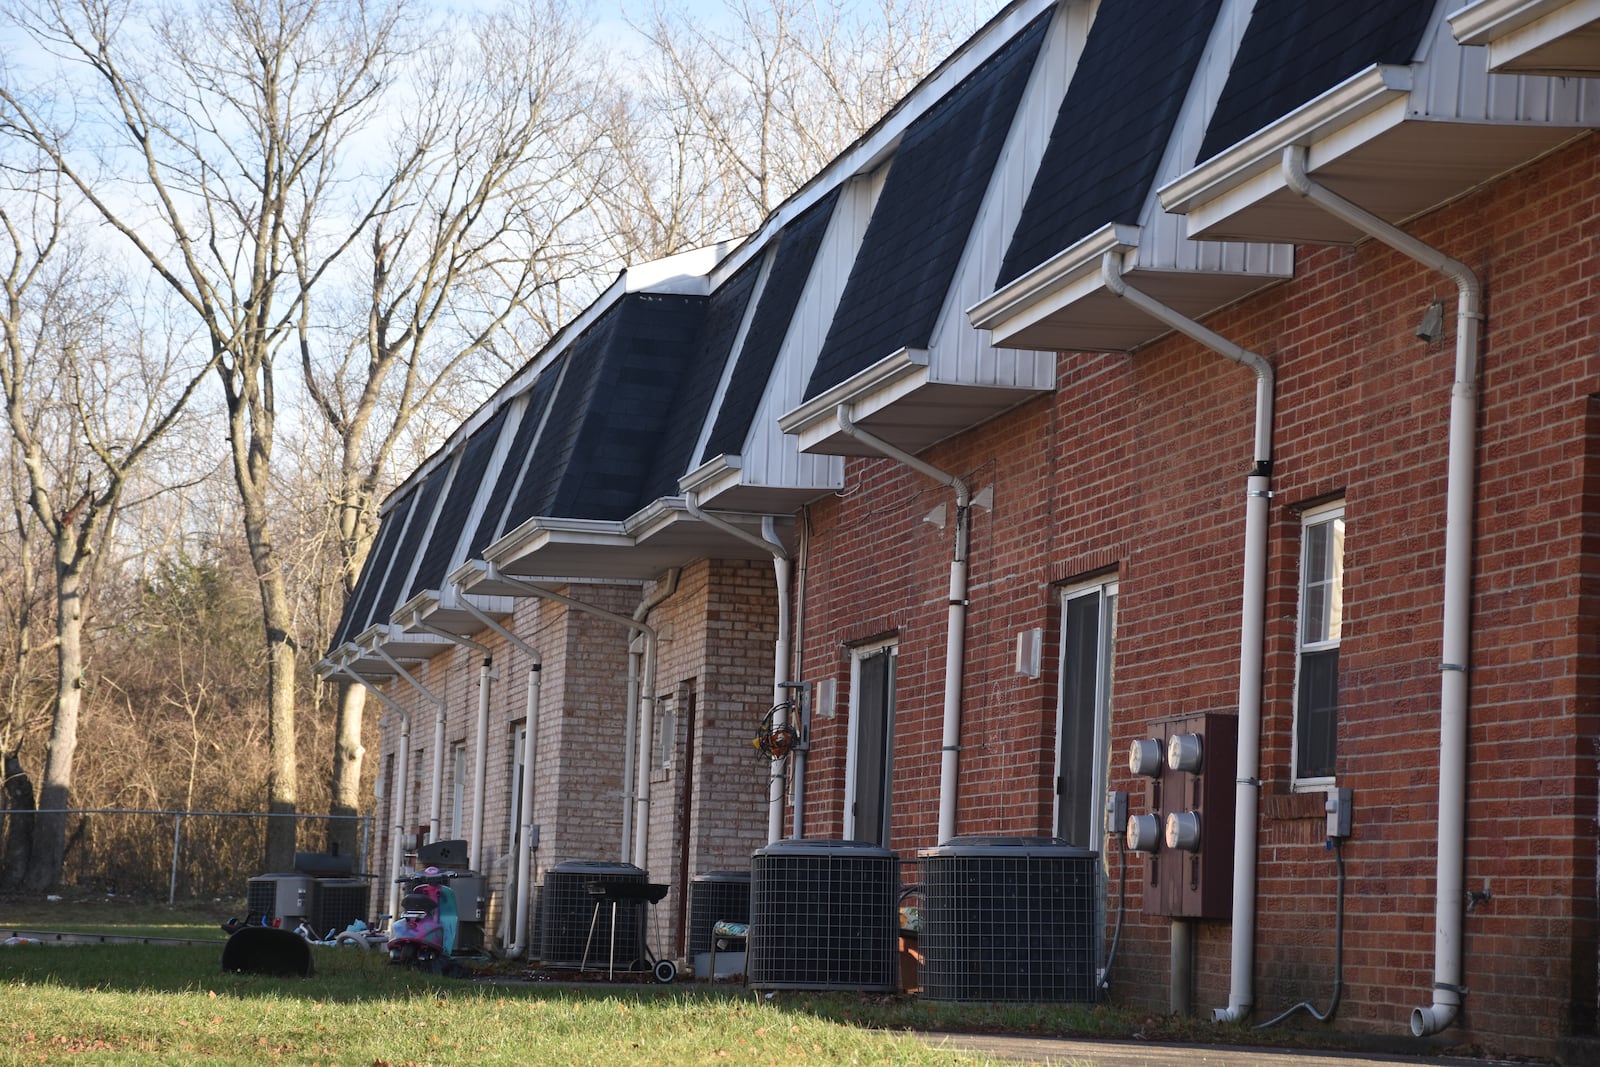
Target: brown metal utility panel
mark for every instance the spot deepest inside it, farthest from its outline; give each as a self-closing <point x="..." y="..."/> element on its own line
<point x="1191" y="762"/>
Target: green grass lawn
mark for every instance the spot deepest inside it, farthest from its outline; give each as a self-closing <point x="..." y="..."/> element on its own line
<point x="133" y="1004"/>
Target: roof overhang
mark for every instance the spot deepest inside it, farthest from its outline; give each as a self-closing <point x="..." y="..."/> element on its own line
<point x="399" y="644"/>
<point x="350" y="658"/>
<point x="722" y="480"/>
<point x="481" y="578"/>
<point x="897" y="400"/>
<point x="1064" y="304"/>
<point x="1363" y="143"/>
<point x="657" y="538"/>
<point x="1556" y="37"/>
<point x="435" y="610"/>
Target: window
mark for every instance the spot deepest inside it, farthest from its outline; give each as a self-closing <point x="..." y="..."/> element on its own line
<point x="458" y="790"/>
<point x="1316" y="695"/>
<point x="1083" y="712"/>
<point x="869" y="759"/>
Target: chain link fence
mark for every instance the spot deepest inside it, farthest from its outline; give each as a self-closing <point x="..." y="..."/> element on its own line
<point x="182" y="855"/>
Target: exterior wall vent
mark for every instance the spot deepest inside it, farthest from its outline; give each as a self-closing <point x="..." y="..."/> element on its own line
<point x="1009" y="919"/>
<point x="823" y="916"/>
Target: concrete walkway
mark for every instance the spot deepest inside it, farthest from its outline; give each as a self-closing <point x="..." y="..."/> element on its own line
<point x="1076" y="1052"/>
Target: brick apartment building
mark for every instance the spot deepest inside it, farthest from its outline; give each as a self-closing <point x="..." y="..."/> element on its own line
<point x="1177" y="367"/>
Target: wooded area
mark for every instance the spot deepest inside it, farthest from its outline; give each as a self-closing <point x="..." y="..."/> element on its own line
<point x="256" y="257"/>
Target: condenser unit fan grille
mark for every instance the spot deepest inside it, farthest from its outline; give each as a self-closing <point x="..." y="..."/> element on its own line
<point x="716" y="896"/>
<point x="822" y="916"/>
<point x="566" y="909"/>
<point x="1010" y="920"/>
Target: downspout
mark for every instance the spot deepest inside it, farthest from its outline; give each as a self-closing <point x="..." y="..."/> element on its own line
<point x="1252" y="629"/>
<point x="956" y="623"/>
<point x="518" y="941"/>
<point x="1456" y="640"/>
<point x="480" y="755"/>
<point x="438" y="736"/>
<point x="398" y="796"/>
<point x="647" y="715"/>
<point x="665" y="588"/>
<point x="782" y="567"/>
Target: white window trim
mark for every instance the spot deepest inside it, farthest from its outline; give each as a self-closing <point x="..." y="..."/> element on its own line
<point x="1107" y="587"/>
<point x="857" y="654"/>
<point x="1321" y="783"/>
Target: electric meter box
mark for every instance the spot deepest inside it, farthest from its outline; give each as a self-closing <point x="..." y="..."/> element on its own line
<point x="1190" y="874"/>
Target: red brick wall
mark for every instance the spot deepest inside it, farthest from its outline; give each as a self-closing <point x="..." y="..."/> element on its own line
<point x="1138" y="464"/>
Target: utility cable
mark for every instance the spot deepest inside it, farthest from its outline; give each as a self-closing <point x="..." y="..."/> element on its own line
<point x="1337" y="844"/>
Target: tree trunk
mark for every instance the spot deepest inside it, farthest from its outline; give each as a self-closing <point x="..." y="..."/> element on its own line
<point x="50" y="830"/>
<point x="20" y="806"/>
<point x="283" y="788"/>
<point x="344" y="833"/>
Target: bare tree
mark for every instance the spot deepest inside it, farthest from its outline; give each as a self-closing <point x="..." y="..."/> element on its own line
<point x="224" y="125"/>
<point x="483" y="216"/>
<point x="731" y="117"/>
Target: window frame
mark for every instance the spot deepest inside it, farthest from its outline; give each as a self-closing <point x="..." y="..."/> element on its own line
<point x="891" y="647"/>
<point x="1107" y="588"/>
<point x="1332" y="515"/>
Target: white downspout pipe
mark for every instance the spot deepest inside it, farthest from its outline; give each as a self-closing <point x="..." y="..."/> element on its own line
<point x="435" y="804"/>
<point x="480" y="754"/>
<point x="956" y="620"/>
<point x="1252" y="630"/>
<point x="647" y="715"/>
<point x="517" y="942"/>
<point x="782" y="567"/>
<point x="666" y="586"/>
<point x="630" y="744"/>
<point x="1456" y="640"/>
<point x="397" y="802"/>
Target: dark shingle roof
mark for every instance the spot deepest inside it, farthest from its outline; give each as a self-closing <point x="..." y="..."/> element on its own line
<point x="358" y="609"/>
<point x="510" y="475"/>
<point x="1295" y="50"/>
<point x="791" y="265"/>
<point x="724" y="311"/>
<point x="458" y="502"/>
<point x="608" y="416"/>
<point x="1113" y="126"/>
<point x="924" y="215"/>
<point x="397" y="589"/>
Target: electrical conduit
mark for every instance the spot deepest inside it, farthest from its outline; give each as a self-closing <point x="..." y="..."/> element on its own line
<point x="435" y="804"/>
<point x="956" y="620"/>
<point x="782" y="567"/>
<point x="516" y="943"/>
<point x="1252" y="627"/>
<point x="1457" y="632"/>
<point x="398" y="794"/>
<point x="480" y="760"/>
<point x="665" y="587"/>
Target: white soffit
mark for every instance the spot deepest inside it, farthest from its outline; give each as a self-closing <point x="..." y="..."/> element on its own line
<point x="1556" y="37"/>
<point x="655" y="539"/>
<point x="723" y="483"/>
<point x="1363" y="142"/>
<point x="1064" y="304"/>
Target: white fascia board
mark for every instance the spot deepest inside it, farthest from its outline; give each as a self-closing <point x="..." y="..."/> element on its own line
<point x="542" y="529"/>
<point x="1488" y="21"/>
<point x="708" y="479"/>
<point x="1260" y="154"/>
<point x="423" y="603"/>
<point x="1055" y="283"/>
<point x="661" y="511"/>
<point x="818" y="412"/>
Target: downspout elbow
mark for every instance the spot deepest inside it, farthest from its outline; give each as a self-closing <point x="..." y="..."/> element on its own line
<point x="1425" y="1022"/>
